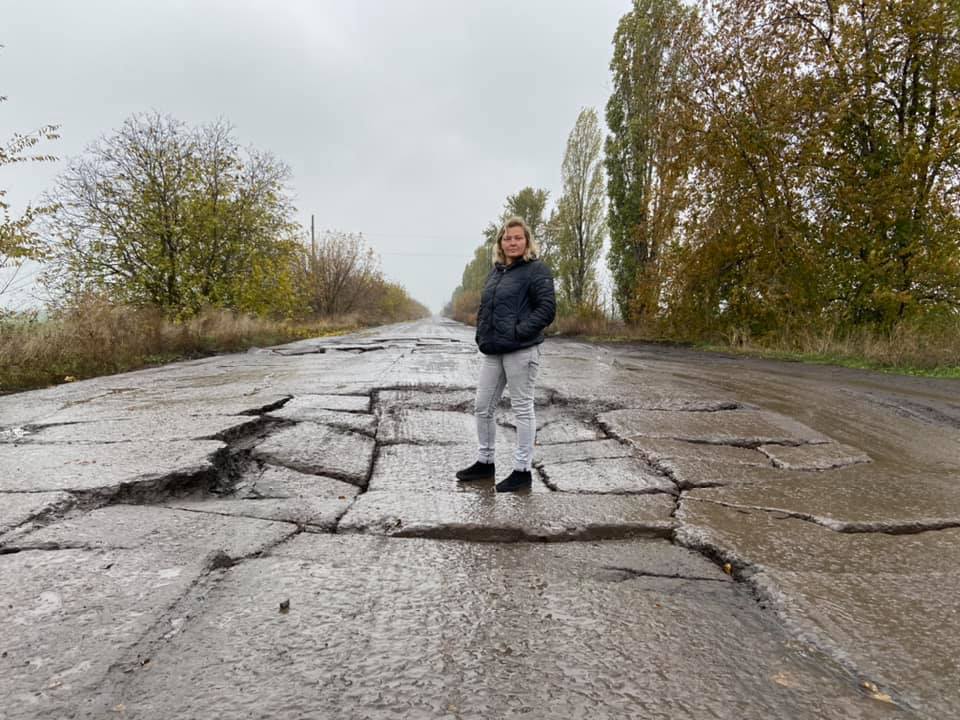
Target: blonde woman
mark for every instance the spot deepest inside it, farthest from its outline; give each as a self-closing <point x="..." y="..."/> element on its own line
<point x="516" y="306"/>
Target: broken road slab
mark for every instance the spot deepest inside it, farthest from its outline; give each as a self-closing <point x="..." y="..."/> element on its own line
<point x="618" y="476"/>
<point x="825" y="456"/>
<point x="18" y="508"/>
<point x="435" y="629"/>
<point x="743" y="428"/>
<point x="101" y="582"/>
<point x="320" y="450"/>
<point x="861" y="597"/>
<point x="672" y="571"/>
<point x="107" y="468"/>
<point x="489" y="516"/>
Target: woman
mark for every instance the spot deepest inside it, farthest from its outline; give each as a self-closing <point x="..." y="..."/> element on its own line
<point x="516" y="305"/>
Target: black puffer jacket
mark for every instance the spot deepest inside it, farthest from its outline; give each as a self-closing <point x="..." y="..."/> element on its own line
<point x="516" y="306"/>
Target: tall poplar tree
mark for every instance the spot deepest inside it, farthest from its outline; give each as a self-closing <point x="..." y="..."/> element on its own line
<point x="644" y="167"/>
<point x="579" y="217"/>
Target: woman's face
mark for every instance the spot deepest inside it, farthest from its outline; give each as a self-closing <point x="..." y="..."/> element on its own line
<point x="514" y="243"/>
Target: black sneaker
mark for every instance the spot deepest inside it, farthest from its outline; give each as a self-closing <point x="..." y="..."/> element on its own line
<point x="477" y="471"/>
<point x="517" y="480"/>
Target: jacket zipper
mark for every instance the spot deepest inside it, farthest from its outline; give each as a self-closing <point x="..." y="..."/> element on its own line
<point x="493" y="301"/>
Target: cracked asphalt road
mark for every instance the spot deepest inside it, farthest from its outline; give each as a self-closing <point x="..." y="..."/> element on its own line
<point x="279" y="534"/>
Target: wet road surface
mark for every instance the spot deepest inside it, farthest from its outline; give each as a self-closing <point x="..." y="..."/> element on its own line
<point x="278" y="534"/>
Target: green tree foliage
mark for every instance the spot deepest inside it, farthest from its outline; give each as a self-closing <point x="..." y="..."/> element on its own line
<point x="745" y="259"/>
<point x="826" y="163"/>
<point x="178" y="218"/>
<point x="776" y="164"/>
<point x="578" y="219"/>
<point x="18" y="237"/>
<point x="645" y="164"/>
<point x="888" y="196"/>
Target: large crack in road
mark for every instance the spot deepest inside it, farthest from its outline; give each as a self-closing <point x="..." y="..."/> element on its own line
<point x="340" y="490"/>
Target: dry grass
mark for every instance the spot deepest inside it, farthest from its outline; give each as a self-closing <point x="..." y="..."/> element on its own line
<point x="597" y="326"/>
<point x="931" y="348"/>
<point x="99" y="339"/>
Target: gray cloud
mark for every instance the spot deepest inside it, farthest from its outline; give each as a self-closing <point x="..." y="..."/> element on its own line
<point x="409" y="121"/>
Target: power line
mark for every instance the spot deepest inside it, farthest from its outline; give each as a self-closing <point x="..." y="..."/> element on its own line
<point x="416" y="254"/>
<point x="417" y="236"/>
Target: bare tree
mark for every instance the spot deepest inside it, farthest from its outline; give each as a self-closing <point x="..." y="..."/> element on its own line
<point x="340" y="273"/>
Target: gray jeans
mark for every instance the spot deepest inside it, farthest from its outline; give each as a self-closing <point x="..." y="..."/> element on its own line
<point x="518" y="370"/>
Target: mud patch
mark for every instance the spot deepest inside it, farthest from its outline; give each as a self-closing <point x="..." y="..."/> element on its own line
<point x="855" y="496"/>
<point x="947" y="414"/>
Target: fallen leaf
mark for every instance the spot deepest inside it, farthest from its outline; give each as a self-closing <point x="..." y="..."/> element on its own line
<point x="786" y="680"/>
<point x="728" y="568"/>
<point x="876" y="693"/>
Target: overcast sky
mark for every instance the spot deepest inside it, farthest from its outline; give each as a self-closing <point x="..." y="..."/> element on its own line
<point x="407" y="120"/>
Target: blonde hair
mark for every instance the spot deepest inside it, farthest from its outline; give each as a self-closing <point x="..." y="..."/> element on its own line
<point x="531" y="251"/>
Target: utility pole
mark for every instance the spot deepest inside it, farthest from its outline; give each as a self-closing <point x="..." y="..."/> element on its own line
<point x="313" y="239"/>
